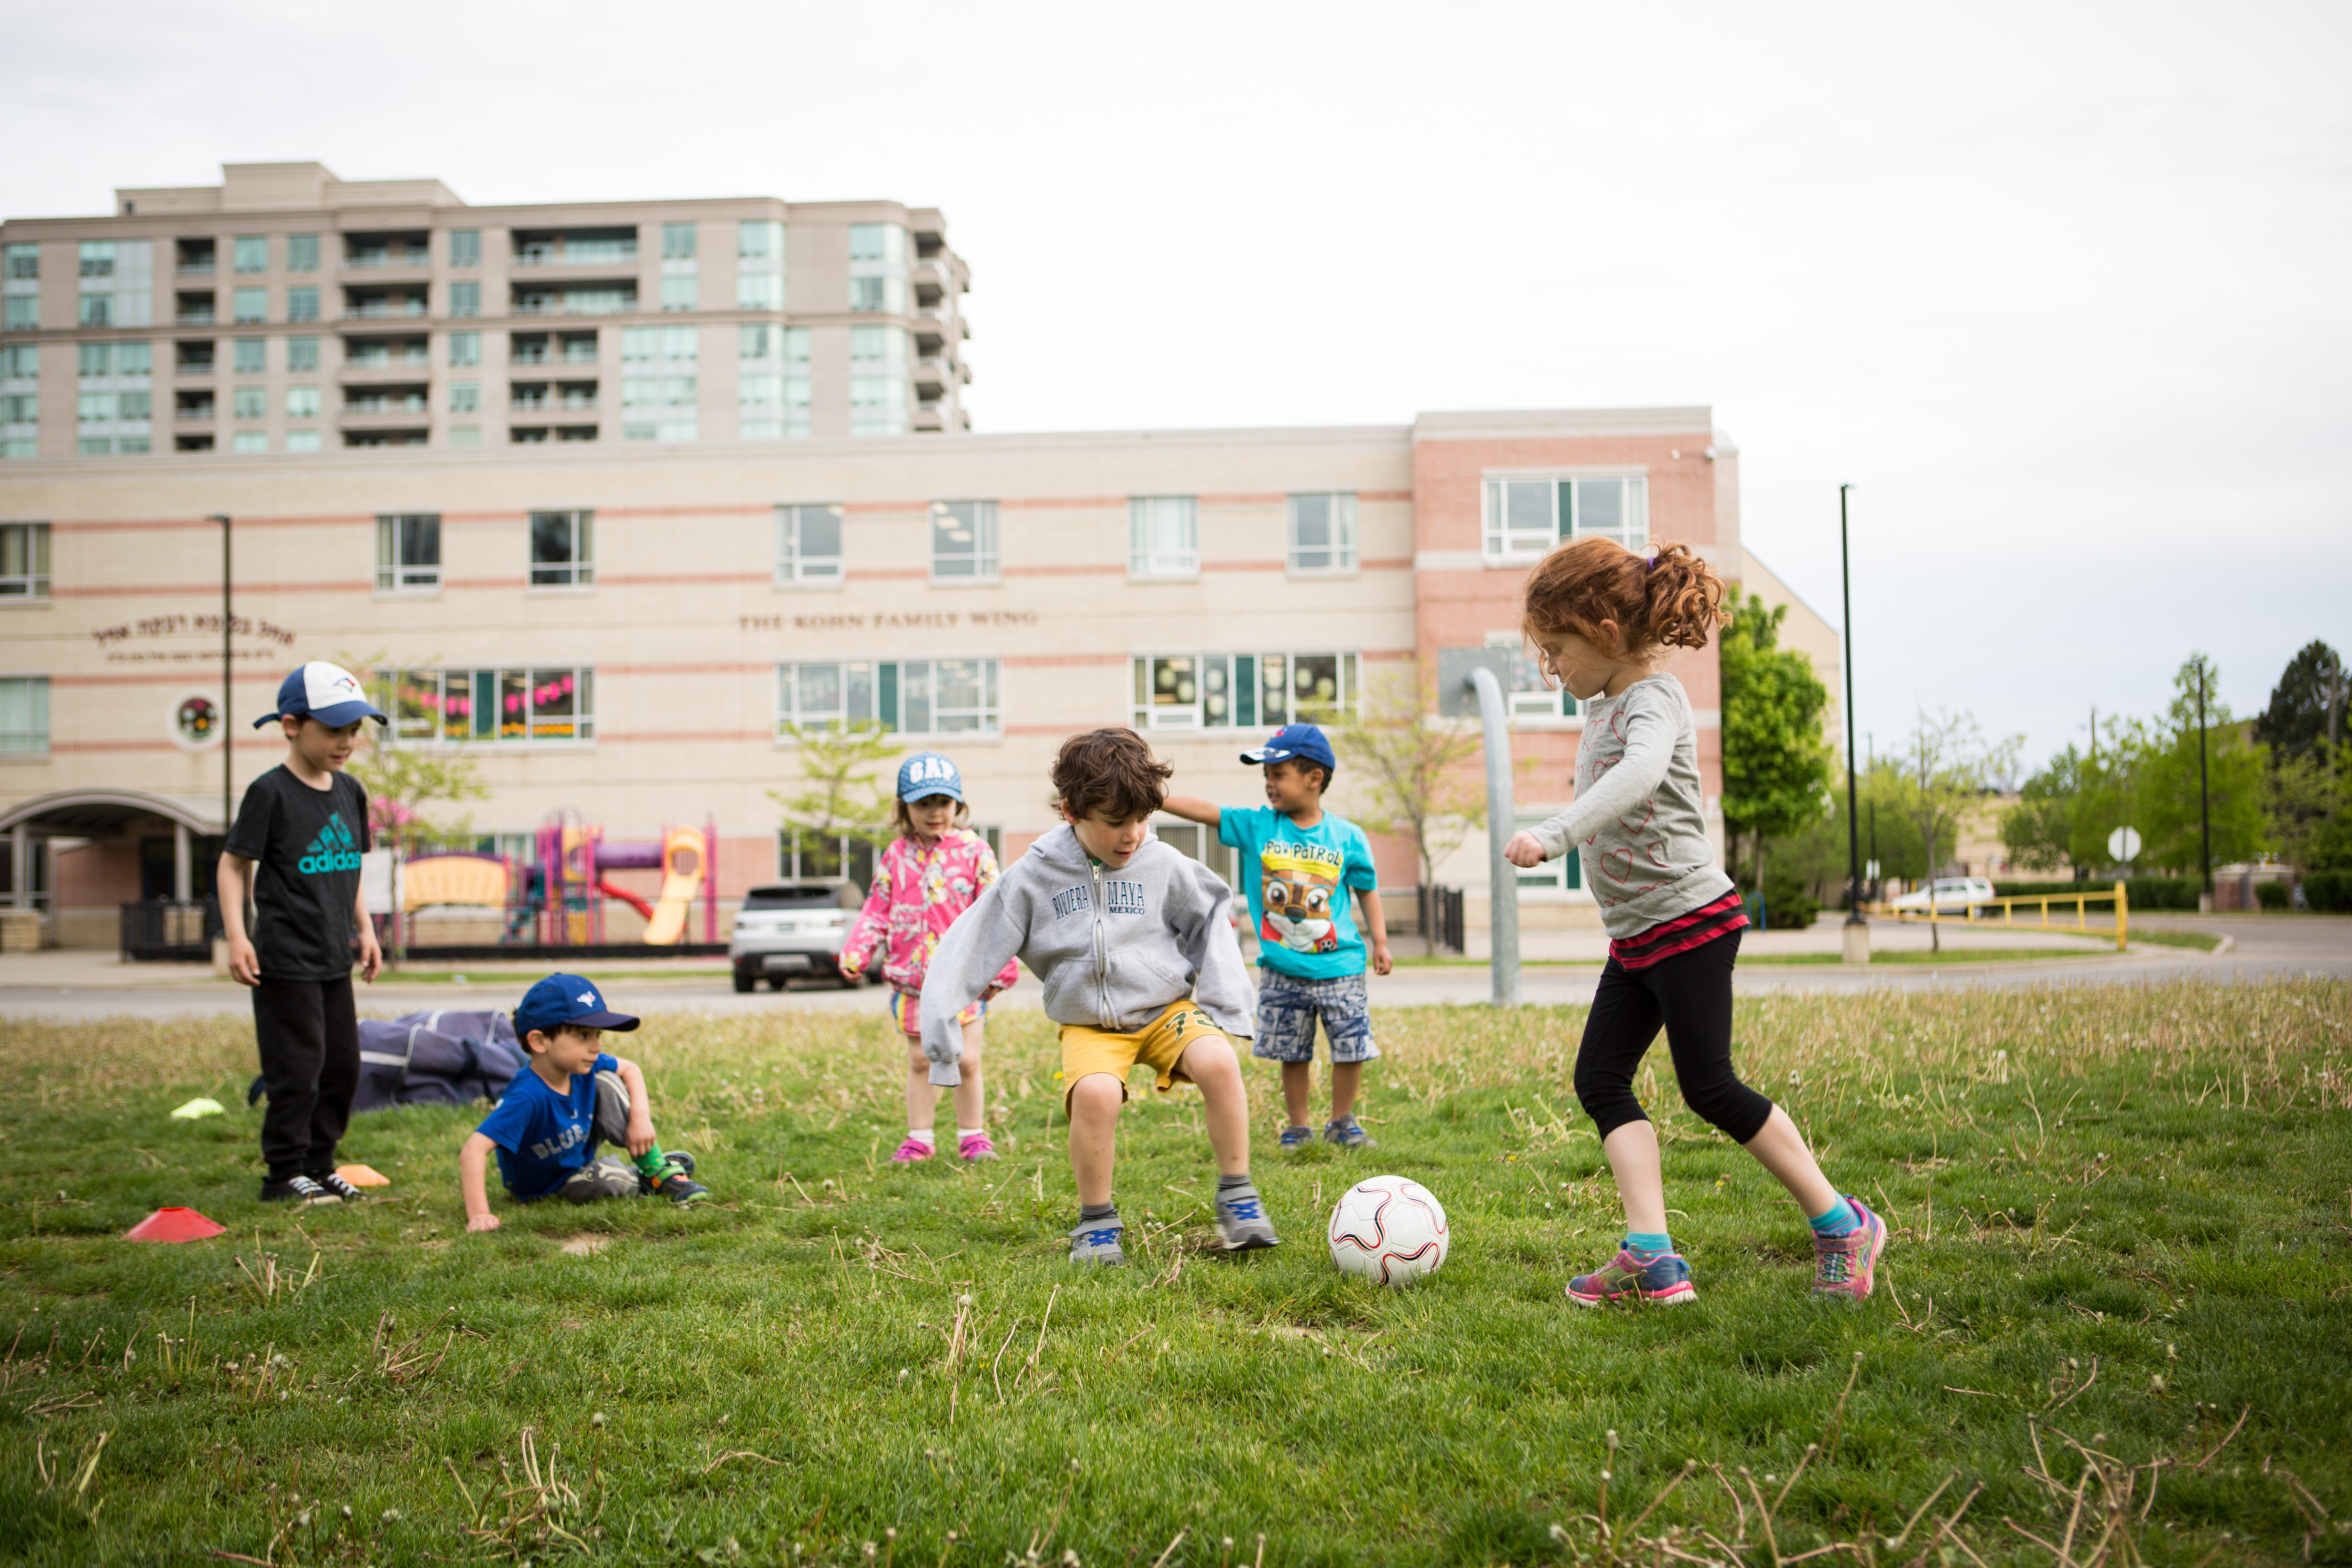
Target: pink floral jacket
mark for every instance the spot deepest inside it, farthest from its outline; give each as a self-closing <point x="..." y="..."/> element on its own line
<point x="918" y="893"/>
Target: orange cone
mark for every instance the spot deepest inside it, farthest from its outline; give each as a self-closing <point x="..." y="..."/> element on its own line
<point x="363" y="1176"/>
<point x="174" y="1225"/>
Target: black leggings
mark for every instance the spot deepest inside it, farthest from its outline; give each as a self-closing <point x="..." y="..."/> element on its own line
<point x="309" y="1035"/>
<point x="1690" y="995"/>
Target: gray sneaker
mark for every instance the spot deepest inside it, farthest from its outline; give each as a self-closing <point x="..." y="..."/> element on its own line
<point x="1241" y="1222"/>
<point x="1294" y="1138"/>
<point x="1097" y="1241"/>
<point x="1348" y="1134"/>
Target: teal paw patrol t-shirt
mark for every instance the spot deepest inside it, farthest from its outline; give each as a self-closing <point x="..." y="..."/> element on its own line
<point x="1299" y="882"/>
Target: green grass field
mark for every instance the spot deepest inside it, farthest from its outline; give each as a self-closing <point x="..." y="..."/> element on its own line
<point x="2114" y="1322"/>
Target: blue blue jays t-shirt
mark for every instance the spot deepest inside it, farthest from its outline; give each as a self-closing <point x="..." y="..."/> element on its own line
<point x="543" y="1136"/>
<point x="1296" y="881"/>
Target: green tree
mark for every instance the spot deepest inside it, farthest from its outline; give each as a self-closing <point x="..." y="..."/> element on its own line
<point x="2067" y="810"/>
<point x="1776" y="764"/>
<point x="2306" y="716"/>
<point x="1417" y="781"/>
<point x="2234" y="767"/>
<point x="840" y="798"/>
<point x="1945" y="766"/>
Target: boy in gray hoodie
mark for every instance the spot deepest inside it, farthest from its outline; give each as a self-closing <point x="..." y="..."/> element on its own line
<point x="1134" y="944"/>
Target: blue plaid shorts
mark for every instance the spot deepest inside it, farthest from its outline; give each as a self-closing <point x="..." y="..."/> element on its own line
<point x="1287" y="1008"/>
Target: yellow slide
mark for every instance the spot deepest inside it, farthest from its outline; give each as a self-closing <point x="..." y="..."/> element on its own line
<point x="682" y="871"/>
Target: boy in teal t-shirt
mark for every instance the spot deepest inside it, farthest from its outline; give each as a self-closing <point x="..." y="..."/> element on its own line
<point x="1299" y="863"/>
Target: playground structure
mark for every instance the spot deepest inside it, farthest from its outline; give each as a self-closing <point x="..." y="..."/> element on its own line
<point x="558" y="897"/>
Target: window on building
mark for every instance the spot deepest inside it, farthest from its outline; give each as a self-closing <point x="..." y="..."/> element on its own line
<point x="408" y="553"/>
<point x="758" y="291"/>
<point x="1163" y="536"/>
<point x="1323" y="532"/>
<point x="465" y="434"/>
<point x="473" y="706"/>
<point x="97" y="311"/>
<point x="249" y="403"/>
<point x="964" y="541"/>
<point x="465" y="248"/>
<point x="301" y="253"/>
<point x="98" y="259"/>
<point x="677" y="242"/>
<point x="1526" y="517"/>
<point x="808" y="545"/>
<point x="639" y="345"/>
<point x="465" y="299"/>
<point x="23" y="261"/>
<point x="249" y="441"/>
<point x="250" y="305"/>
<point x="96" y="359"/>
<point x="302" y="402"/>
<point x="883" y="242"/>
<point x="760" y="239"/>
<point x="1243" y="691"/>
<point x="96" y="446"/>
<point x="20" y="312"/>
<point x="1526" y="694"/>
<point x="301" y="441"/>
<point x="466" y="349"/>
<point x="907" y="696"/>
<point x="20" y="408"/>
<point x="464" y="396"/>
<point x="252" y="253"/>
<point x="134" y="406"/>
<point x="24" y="559"/>
<point x="887" y="295"/>
<point x="1564" y="874"/>
<point x="25" y="715"/>
<point x="563" y="549"/>
<point x="134" y="359"/>
<point x="252" y="356"/>
<point x="824" y="857"/>
<point x="679" y="293"/>
<point x="95" y="407"/>
<point x="301" y="354"/>
<point x="302" y="304"/>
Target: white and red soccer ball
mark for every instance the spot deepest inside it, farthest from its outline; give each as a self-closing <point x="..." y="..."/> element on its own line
<point x="1389" y="1229"/>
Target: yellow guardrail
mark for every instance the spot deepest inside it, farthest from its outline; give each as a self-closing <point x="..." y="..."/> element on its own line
<point x="1967" y="915"/>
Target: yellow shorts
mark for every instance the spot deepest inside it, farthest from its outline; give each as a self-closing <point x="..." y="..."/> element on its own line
<point x="1159" y="1045"/>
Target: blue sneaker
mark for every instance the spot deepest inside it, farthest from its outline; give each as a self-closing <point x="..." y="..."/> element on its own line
<point x="1294" y="1138"/>
<point x="1241" y="1222"/>
<point x="1097" y="1241"/>
<point x="1663" y="1280"/>
<point x="1348" y="1134"/>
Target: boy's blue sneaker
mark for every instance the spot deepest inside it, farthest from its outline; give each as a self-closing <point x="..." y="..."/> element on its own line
<point x="1294" y="1138"/>
<point x="1241" y="1222"/>
<point x="1661" y="1280"/>
<point x="1348" y="1134"/>
<point x="1097" y="1241"/>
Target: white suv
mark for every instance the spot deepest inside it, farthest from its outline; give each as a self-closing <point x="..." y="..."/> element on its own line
<point x="789" y="929"/>
<point x="1951" y="895"/>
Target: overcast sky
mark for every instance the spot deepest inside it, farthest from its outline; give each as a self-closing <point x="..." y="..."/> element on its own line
<point x="2061" y="289"/>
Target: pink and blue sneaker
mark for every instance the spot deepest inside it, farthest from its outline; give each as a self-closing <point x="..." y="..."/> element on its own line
<point x="979" y="1146"/>
<point x="1636" y="1279"/>
<point x="1848" y="1265"/>
<point x="912" y="1150"/>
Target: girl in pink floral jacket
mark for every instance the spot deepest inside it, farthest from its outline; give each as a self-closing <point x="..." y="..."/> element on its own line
<point x="929" y="874"/>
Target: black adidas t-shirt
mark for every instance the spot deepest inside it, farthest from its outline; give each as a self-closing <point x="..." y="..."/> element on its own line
<point x="305" y="845"/>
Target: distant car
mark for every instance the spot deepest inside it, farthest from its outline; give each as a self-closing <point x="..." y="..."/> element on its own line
<point x="1950" y="895"/>
<point x="789" y="929"/>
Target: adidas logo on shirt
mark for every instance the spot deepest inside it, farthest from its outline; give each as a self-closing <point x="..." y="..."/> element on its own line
<point x="332" y="851"/>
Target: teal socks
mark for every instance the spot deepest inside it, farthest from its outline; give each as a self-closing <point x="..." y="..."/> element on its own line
<point x="1649" y="1243"/>
<point x="1839" y="1221"/>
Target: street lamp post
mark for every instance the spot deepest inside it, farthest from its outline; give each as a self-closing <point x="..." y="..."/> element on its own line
<point x="2204" y="795"/>
<point x="1857" y="929"/>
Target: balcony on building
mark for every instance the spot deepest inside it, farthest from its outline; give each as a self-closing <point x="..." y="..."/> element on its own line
<point x="383" y="359"/>
<point x="380" y="302"/>
<point x="930" y="417"/>
<point x="412" y="435"/>
<point x="536" y="247"/>
<point x="397" y="404"/>
<point x="551" y="348"/>
<point x="194" y="406"/>
<point x="193" y="443"/>
<point x="193" y="310"/>
<point x="388" y="250"/>
<point x="601" y="297"/>
<point x="932" y="277"/>
<point x="538" y="396"/>
<point x="194" y="359"/>
<point x="197" y="259"/>
<point x="928" y="242"/>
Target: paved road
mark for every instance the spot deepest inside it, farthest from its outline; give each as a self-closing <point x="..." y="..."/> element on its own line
<point x="79" y="986"/>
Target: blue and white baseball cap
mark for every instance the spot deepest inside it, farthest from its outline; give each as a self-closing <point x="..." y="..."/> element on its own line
<point x="928" y="772"/>
<point x="327" y="693"/>
<point x="562" y="999"/>
<point x="1297" y="743"/>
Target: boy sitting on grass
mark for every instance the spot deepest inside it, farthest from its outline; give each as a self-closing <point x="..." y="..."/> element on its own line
<point x="548" y="1125"/>
<point x="1135" y="947"/>
<point x="1299" y="864"/>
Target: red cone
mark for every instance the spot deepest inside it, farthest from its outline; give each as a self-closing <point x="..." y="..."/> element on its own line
<point x="174" y="1225"/>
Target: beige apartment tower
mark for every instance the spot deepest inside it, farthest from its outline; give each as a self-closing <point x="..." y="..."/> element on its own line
<point x="285" y="311"/>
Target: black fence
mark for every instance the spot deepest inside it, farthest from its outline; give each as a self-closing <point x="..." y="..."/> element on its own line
<point x="1440" y="917"/>
<point x="168" y="929"/>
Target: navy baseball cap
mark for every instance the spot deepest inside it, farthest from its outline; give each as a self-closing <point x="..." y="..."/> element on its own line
<point x="562" y="999"/>
<point x="1295" y="743"/>
<point x="928" y="772"/>
<point x="327" y="693"/>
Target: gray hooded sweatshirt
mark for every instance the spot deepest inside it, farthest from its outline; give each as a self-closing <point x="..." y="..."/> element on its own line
<point x="1114" y="947"/>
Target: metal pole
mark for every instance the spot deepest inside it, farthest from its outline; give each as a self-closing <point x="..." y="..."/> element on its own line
<point x="2204" y="793"/>
<point x="1857" y="929"/>
<point x="1502" y="877"/>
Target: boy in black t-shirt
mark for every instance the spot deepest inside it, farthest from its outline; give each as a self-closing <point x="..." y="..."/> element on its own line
<point x="296" y="847"/>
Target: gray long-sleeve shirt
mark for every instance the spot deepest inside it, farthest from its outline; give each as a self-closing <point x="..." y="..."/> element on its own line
<point x="1113" y="947"/>
<point x="1640" y="816"/>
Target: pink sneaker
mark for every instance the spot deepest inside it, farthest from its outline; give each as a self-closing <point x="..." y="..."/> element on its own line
<point x="977" y="1148"/>
<point x="912" y="1150"/>
<point x="1848" y="1265"/>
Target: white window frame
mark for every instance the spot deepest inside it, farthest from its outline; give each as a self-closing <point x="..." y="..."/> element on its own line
<point x="28" y="543"/>
<point x="1340" y="523"/>
<point x="1501" y="493"/>
<point x="579" y="569"/>
<point x="1218" y="683"/>
<point x="1528" y="695"/>
<point x="901" y="694"/>
<point x="391" y="574"/>
<point x="797" y="567"/>
<point x="979" y="563"/>
<point x="1559" y="880"/>
<point x="796" y="851"/>
<point x="418" y="701"/>
<point x="1163" y="537"/>
<point x="33" y="741"/>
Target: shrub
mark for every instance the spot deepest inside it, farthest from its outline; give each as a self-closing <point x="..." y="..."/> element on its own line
<point x="2271" y="895"/>
<point x="2328" y="891"/>
<point x="1788" y="904"/>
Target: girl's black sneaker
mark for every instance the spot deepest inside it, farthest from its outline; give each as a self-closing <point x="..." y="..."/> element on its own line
<point x="344" y="1192"/>
<point x="301" y="1190"/>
